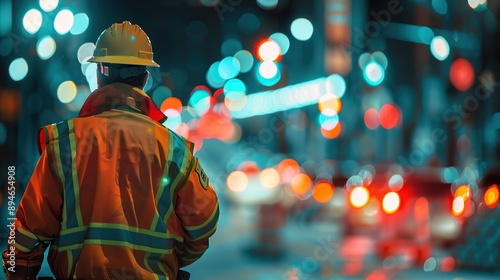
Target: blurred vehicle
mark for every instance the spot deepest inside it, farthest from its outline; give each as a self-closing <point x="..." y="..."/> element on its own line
<point x="408" y="215"/>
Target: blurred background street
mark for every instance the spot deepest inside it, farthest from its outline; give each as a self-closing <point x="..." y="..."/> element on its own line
<point x="346" y="139"/>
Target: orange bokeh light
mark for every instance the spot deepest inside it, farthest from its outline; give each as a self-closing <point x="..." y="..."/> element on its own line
<point x="171" y="103"/>
<point x="237" y="181"/>
<point x="288" y="168"/>
<point x="464" y="192"/>
<point x="329" y="104"/>
<point x="269" y="178"/>
<point x="323" y="192"/>
<point x="491" y="196"/>
<point x="332" y="134"/>
<point x="301" y="184"/>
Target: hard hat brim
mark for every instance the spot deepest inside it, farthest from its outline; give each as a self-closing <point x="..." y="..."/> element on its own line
<point x="124" y="60"/>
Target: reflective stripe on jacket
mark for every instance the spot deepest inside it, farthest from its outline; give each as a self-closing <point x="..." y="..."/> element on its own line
<point x="116" y="194"/>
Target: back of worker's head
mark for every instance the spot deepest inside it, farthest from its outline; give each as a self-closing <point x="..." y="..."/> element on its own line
<point x="123" y="51"/>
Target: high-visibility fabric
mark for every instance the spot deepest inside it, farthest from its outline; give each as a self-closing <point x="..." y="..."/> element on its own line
<point x="116" y="194"/>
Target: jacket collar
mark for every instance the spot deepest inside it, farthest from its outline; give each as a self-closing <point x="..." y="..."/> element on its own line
<point x="120" y="95"/>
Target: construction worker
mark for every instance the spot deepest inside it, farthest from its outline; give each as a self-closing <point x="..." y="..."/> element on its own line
<point x="115" y="194"/>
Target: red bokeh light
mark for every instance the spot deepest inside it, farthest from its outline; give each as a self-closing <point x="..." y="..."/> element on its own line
<point x="462" y="74"/>
<point x="389" y="116"/>
<point x="371" y="119"/>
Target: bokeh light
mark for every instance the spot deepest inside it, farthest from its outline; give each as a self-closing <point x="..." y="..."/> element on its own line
<point x="328" y="122"/>
<point x="390" y="202"/>
<point x="458" y="206"/>
<point x="464" y="191"/>
<point x="462" y="74"/>
<point x="323" y="192"/>
<point x="269" y="50"/>
<point x="173" y="119"/>
<point x="268" y="69"/>
<point x="329" y="105"/>
<point x="249" y="23"/>
<point x="282" y="40"/>
<point x="18" y="69"/>
<point x="440" y="6"/>
<point x="396" y="182"/>
<point x="301" y="184"/>
<point x="63" y="22"/>
<point x="440" y="48"/>
<point x="374" y="74"/>
<point x="213" y="77"/>
<point x="380" y="58"/>
<point x="46" y="47"/>
<point x="333" y="133"/>
<point x="389" y="116"/>
<point x="237" y="181"/>
<point x="245" y="59"/>
<point x="359" y="196"/>
<point x="288" y="169"/>
<point x="371" y="119"/>
<point x="491" y="196"/>
<point x="48" y="5"/>
<point x="200" y="100"/>
<point x="269" y="178"/>
<point x="32" y="21"/>
<point x="229" y="68"/>
<point x="80" y="25"/>
<point x="85" y="51"/>
<point x="230" y="47"/>
<point x="335" y="84"/>
<point x="267" y="4"/>
<point x="66" y="91"/>
<point x="302" y="29"/>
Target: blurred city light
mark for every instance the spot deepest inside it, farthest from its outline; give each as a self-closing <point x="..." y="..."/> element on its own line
<point x="18" y="69"/>
<point x="335" y="84"/>
<point x="173" y="119"/>
<point x="391" y="202"/>
<point x="458" y="206"/>
<point x="301" y="184"/>
<point x="332" y="133"/>
<point x="200" y="100"/>
<point x="464" y="191"/>
<point x="371" y="119"/>
<point x="269" y="50"/>
<point x="440" y="6"/>
<point x="85" y="51"/>
<point x="323" y="192"/>
<point x="245" y="59"/>
<point x="230" y="47"/>
<point x="48" y="5"/>
<point x="491" y="196"/>
<point x="160" y="94"/>
<point x="359" y="196"/>
<point x="267" y="4"/>
<point x="449" y="174"/>
<point x="214" y="79"/>
<point x="81" y="23"/>
<point x="389" y="116"/>
<point x="282" y="40"/>
<point x="32" y="21"/>
<point x="63" y="22"/>
<point x="380" y="58"/>
<point x="396" y="182"/>
<point x="421" y="209"/>
<point x="248" y="23"/>
<point x="477" y="4"/>
<point x="91" y="75"/>
<point x="328" y="122"/>
<point x="46" y="47"/>
<point x="329" y="105"/>
<point x="269" y="178"/>
<point x="302" y="29"/>
<point x="66" y="91"/>
<point x="268" y="69"/>
<point x="288" y="169"/>
<point x="172" y="103"/>
<point x="462" y="74"/>
<point x="229" y="68"/>
<point x="237" y="181"/>
<point x="440" y="48"/>
<point x="373" y="73"/>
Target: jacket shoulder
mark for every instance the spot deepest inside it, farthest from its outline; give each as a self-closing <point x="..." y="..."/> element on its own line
<point x="51" y="132"/>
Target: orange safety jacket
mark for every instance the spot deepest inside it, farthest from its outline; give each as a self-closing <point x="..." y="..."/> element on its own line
<point x="115" y="194"/>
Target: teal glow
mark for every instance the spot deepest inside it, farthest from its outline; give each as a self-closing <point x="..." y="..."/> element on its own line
<point x="268" y="73"/>
<point x="18" y="69"/>
<point x="302" y="29"/>
<point x="374" y="74"/>
<point x="213" y="77"/>
<point x="230" y="47"/>
<point x="246" y="60"/>
<point x="173" y="119"/>
<point x="46" y="47"/>
<point x="328" y="122"/>
<point x="440" y="6"/>
<point x="235" y="85"/>
<point x="282" y="40"/>
<point x="160" y="94"/>
<point x="200" y="101"/>
<point x="3" y="133"/>
<point x="229" y="68"/>
<point x="336" y="84"/>
<point x="32" y="21"/>
<point x="81" y="23"/>
<point x="440" y="48"/>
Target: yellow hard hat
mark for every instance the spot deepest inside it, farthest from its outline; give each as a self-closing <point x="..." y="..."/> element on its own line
<point x="124" y="43"/>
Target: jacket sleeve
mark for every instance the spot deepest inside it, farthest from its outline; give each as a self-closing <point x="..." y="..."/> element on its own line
<point x="197" y="208"/>
<point x="37" y="223"/>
